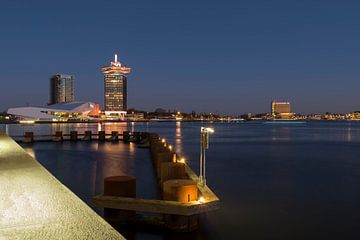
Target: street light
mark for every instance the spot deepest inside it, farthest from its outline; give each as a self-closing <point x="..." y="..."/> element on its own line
<point x="204" y="144"/>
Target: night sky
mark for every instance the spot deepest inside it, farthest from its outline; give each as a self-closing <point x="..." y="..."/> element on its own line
<point x="226" y="57"/>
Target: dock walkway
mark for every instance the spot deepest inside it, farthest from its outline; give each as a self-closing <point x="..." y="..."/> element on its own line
<point x="35" y="205"/>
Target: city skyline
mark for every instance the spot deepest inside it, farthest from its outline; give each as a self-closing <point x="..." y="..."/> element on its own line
<point x="228" y="58"/>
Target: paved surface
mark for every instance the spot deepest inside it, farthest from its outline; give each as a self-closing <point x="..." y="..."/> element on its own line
<point x="35" y="205"/>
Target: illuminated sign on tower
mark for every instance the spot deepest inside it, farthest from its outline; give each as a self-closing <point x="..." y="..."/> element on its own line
<point x="115" y="86"/>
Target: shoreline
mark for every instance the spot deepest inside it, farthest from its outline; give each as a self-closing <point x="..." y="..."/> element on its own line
<point x="205" y="121"/>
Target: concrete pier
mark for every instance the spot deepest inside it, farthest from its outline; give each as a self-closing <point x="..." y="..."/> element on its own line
<point x="35" y="205"/>
<point x="171" y="170"/>
<point x="120" y="186"/>
<point x="160" y="158"/>
<point x="184" y="197"/>
<point x="180" y="190"/>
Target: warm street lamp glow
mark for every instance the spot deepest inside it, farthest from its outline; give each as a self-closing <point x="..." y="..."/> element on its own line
<point x="182" y="160"/>
<point x="201" y="200"/>
<point x="170" y="147"/>
<point x="163" y="140"/>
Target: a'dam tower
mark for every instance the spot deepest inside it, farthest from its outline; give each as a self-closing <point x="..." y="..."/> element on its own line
<point x="115" y="87"/>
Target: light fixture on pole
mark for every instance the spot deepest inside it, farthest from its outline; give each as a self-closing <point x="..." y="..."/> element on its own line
<point x="204" y="144"/>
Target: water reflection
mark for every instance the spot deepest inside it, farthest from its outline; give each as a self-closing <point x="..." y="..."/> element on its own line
<point x="349" y="134"/>
<point x="132" y="147"/>
<point x="280" y="133"/>
<point x="178" y="138"/>
<point x="120" y="127"/>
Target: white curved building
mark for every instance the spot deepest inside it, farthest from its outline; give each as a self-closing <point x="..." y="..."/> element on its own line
<point x="56" y="112"/>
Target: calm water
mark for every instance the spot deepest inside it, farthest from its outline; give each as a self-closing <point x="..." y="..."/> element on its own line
<point x="275" y="181"/>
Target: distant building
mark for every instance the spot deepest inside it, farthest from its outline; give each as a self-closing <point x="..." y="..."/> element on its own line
<point x="115" y="87"/>
<point x="281" y="109"/>
<point x="58" y="112"/>
<point x="61" y="89"/>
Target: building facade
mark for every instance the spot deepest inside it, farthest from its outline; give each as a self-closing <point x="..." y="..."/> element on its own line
<point x="281" y="109"/>
<point x="58" y="112"/>
<point x="61" y="89"/>
<point x="115" y="86"/>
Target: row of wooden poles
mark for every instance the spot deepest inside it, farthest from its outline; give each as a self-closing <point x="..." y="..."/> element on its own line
<point x="29" y="137"/>
<point x="174" y="183"/>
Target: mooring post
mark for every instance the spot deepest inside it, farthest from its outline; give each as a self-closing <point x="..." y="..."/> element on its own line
<point x="58" y="136"/>
<point x="88" y="136"/>
<point x="28" y="137"/>
<point x="114" y="136"/>
<point x="73" y="136"/>
<point x="101" y="136"/>
<point x="180" y="190"/>
<point x="119" y="186"/>
<point x="126" y="136"/>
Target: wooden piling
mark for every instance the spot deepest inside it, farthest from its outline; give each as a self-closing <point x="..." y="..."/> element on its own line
<point x="58" y="136"/>
<point x="88" y="136"/>
<point x="114" y="136"/>
<point x="73" y="136"/>
<point x="126" y="136"/>
<point x="183" y="191"/>
<point x="120" y="186"/>
<point x="101" y="136"/>
<point x="28" y="137"/>
<point x="172" y="170"/>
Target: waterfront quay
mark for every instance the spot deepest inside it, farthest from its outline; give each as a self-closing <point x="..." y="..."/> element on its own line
<point x="288" y="180"/>
<point x="35" y="205"/>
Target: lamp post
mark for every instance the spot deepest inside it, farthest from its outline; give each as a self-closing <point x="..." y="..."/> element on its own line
<point x="204" y="144"/>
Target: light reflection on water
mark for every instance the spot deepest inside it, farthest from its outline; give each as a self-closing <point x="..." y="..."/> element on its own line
<point x="178" y="137"/>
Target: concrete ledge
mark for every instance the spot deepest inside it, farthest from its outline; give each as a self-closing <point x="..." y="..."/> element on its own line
<point x="161" y="206"/>
<point x="35" y="205"/>
<point x="205" y="191"/>
<point x="154" y="206"/>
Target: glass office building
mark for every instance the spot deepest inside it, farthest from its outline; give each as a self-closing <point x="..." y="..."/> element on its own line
<point x="61" y="89"/>
<point x="281" y="109"/>
<point x="115" y="86"/>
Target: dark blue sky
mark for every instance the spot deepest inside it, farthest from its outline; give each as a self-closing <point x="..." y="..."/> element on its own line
<point x="215" y="56"/>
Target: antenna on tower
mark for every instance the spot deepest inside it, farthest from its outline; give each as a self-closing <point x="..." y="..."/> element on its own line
<point x="116" y="58"/>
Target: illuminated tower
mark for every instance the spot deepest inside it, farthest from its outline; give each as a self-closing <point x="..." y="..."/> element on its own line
<point x="115" y="86"/>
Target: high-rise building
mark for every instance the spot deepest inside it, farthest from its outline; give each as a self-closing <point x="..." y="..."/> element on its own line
<point x="61" y="89"/>
<point x="281" y="110"/>
<point x="115" y="86"/>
